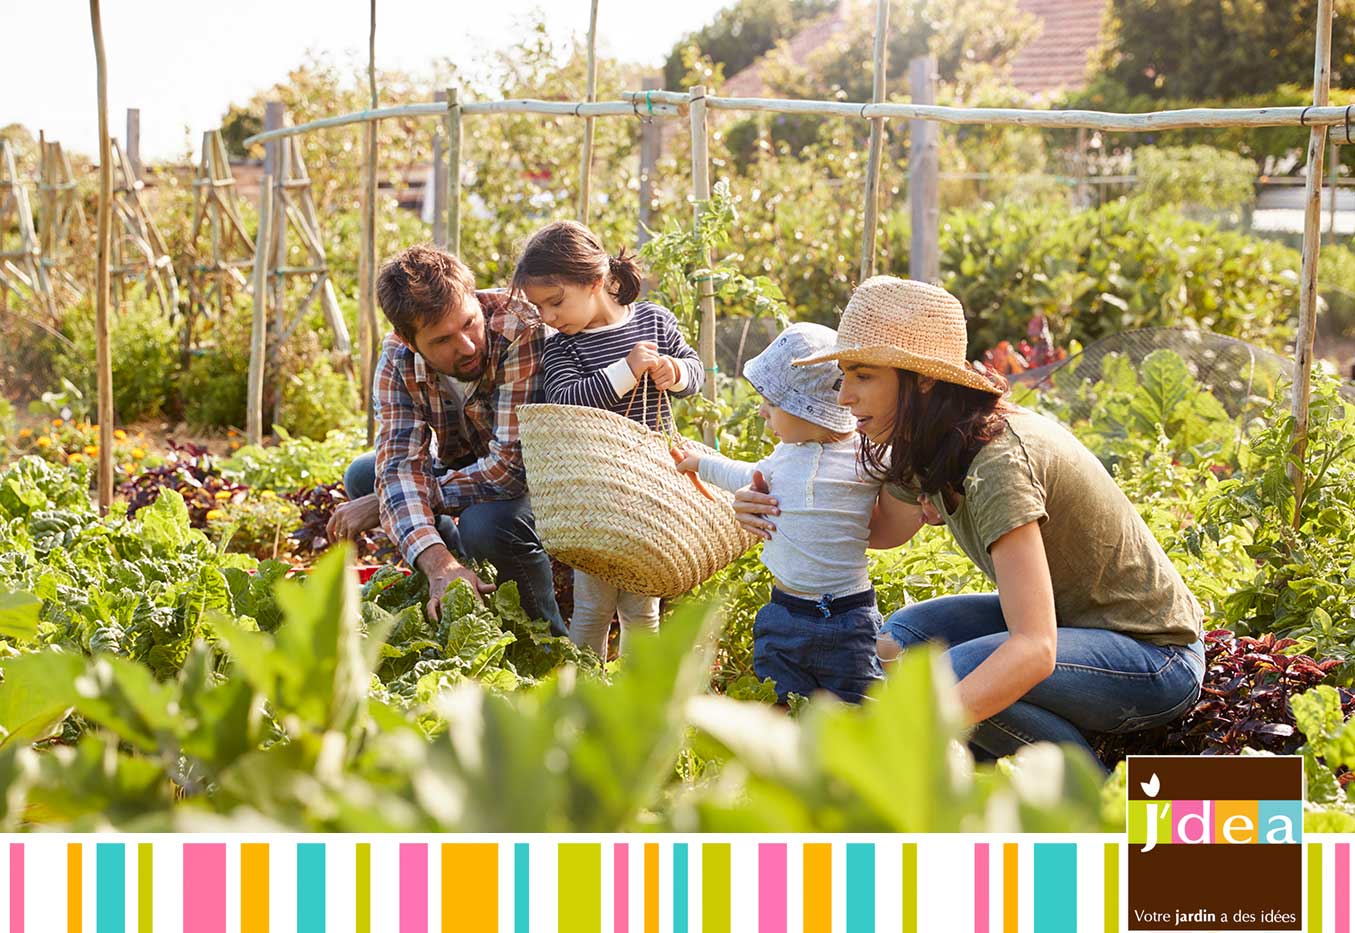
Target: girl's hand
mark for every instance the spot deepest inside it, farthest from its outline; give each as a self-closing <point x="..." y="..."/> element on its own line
<point x="750" y="505"/>
<point x="665" y="373"/>
<point x="643" y="358"/>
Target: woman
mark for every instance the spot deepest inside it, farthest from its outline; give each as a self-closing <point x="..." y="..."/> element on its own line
<point x="1091" y="629"/>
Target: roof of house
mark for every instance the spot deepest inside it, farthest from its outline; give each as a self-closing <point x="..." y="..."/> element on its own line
<point x="1059" y="55"/>
<point x="1056" y="59"/>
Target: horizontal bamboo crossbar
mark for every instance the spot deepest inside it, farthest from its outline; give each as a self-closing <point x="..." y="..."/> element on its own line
<point x="1198" y="117"/>
<point x="606" y="108"/>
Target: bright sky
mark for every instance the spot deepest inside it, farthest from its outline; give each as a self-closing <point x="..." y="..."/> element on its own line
<point x="182" y="62"/>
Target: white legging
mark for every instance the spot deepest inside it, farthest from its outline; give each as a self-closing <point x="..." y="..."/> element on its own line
<point x="595" y="601"/>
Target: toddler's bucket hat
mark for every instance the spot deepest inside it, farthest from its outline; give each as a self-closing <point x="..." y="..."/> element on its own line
<point x="809" y="392"/>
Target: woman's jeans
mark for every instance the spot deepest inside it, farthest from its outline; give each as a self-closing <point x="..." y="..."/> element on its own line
<point x="1103" y="681"/>
<point x="500" y="532"/>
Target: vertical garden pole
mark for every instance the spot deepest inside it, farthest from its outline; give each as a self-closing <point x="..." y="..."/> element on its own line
<point x="586" y="170"/>
<point x="104" y="223"/>
<point x="877" y="138"/>
<point x="134" y="141"/>
<point x="705" y="288"/>
<point x="649" y="160"/>
<point x="1312" y="238"/>
<point x="453" y="172"/>
<point x="259" y="328"/>
<point x="924" y="263"/>
<point x="439" y="181"/>
<point x="367" y="325"/>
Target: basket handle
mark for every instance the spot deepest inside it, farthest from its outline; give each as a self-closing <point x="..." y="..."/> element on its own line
<point x="667" y="426"/>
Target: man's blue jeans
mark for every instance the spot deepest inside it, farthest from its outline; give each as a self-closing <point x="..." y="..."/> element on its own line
<point x="1103" y="681"/>
<point x="502" y="533"/>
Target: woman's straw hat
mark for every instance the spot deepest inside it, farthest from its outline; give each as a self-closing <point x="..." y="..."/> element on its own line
<point x="907" y="325"/>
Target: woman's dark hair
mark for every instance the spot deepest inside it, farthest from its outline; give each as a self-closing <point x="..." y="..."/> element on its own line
<point x="936" y="434"/>
<point x="566" y="251"/>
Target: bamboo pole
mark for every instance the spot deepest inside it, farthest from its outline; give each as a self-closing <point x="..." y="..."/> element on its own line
<point x="1334" y="175"/>
<point x="649" y="160"/>
<point x="367" y="324"/>
<point x="586" y="167"/>
<point x="705" y="288"/>
<point x="134" y="141"/>
<point x="104" y="224"/>
<point x="440" y="181"/>
<point x="877" y="139"/>
<point x="557" y="108"/>
<point x="259" y="328"/>
<point x="454" y="110"/>
<point x="1312" y="238"/>
<point x="924" y="202"/>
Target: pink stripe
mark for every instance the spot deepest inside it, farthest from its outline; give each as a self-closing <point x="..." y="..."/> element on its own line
<point x="621" y="887"/>
<point x="1342" y="887"/>
<point x="981" y="887"/>
<point x="771" y="887"/>
<point x="16" y="887"/>
<point x="413" y="887"/>
<point x="204" y="887"/>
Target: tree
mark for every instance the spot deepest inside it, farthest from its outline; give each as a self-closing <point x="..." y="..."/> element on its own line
<point x="740" y="34"/>
<point x="1210" y="49"/>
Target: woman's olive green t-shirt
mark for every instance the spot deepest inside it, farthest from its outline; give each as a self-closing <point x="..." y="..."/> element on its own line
<point x="1107" y="569"/>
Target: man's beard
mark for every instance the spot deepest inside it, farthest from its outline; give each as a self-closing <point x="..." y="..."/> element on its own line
<point x="468" y="370"/>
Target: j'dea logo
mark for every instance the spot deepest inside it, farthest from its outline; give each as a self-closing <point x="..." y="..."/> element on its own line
<point x="1190" y="819"/>
<point x="1153" y="822"/>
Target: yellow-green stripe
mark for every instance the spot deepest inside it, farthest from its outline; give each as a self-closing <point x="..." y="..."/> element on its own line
<point x="715" y="887"/>
<point x="1112" y="885"/>
<point x="579" y="886"/>
<point x="363" y="888"/>
<point x="910" y="887"/>
<point x="145" y="889"/>
<point x="1314" y="886"/>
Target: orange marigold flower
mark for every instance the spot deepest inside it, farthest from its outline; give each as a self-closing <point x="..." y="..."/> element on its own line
<point x="120" y="434"/>
<point x="215" y="515"/>
<point x="91" y="450"/>
<point x="75" y="458"/>
<point x="44" y="442"/>
<point x="137" y="453"/>
<point x="25" y="432"/>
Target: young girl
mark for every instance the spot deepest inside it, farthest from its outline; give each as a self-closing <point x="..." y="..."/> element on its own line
<point x="1091" y="628"/>
<point x="606" y="343"/>
<point x="819" y="630"/>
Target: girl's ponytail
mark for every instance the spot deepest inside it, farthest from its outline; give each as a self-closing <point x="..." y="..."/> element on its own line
<point x="624" y="271"/>
<point x="566" y="251"/>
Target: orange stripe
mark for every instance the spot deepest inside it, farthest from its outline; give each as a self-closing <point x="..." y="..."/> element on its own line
<point x="1010" y="878"/>
<point x="254" y="887"/>
<point x="470" y="887"/>
<point x="818" y="887"/>
<point x="74" y="889"/>
<point x="651" y="887"/>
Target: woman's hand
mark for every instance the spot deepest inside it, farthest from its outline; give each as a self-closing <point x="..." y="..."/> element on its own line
<point x="1027" y="599"/>
<point x="751" y="504"/>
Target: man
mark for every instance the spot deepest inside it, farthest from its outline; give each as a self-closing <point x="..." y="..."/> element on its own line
<point x="446" y="391"/>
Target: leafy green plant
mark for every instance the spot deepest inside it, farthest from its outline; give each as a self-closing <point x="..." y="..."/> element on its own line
<point x="316" y="400"/>
<point x="294" y="463"/>
<point x="144" y="347"/>
<point x="1194" y="176"/>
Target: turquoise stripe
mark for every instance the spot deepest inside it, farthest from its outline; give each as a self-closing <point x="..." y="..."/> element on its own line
<point x="679" y="887"/>
<point x="110" y="864"/>
<point x="860" y="887"/>
<point x="1055" y="887"/>
<point x="522" y="889"/>
<point x="310" y="887"/>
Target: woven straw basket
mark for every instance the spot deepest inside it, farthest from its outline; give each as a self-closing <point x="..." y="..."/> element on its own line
<point x="608" y="501"/>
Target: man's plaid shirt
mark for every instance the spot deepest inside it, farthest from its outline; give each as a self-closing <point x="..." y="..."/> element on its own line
<point x="422" y="424"/>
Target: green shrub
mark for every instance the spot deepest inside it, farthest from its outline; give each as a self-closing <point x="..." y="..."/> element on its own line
<point x="144" y="345"/>
<point x="214" y="388"/>
<point x="1120" y="267"/>
<point x="1194" y="176"/>
<point x="317" y="399"/>
<point x="295" y="462"/>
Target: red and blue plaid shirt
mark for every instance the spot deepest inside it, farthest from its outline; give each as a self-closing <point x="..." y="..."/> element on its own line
<point x="422" y="425"/>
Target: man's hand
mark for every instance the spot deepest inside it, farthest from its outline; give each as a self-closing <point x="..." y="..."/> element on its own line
<point x="643" y="357"/>
<point x="353" y="518"/>
<point x="442" y="570"/>
<point x="665" y="373"/>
